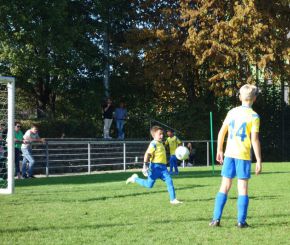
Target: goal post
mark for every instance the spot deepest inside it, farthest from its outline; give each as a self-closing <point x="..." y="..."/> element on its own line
<point x="7" y="155"/>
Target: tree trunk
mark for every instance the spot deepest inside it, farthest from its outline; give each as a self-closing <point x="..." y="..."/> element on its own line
<point x="43" y="93"/>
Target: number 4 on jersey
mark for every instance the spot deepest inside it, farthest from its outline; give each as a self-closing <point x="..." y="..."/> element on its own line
<point x="241" y="132"/>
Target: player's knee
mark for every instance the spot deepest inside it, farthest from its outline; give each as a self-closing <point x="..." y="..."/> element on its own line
<point x="242" y="187"/>
<point x="226" y="185"/>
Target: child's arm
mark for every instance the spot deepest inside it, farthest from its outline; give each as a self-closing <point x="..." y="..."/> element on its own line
<point x="257" y="150"/>
<point x="29" y="139"/>
<point x="220" y="143"/>
<point x="147" y="157"/>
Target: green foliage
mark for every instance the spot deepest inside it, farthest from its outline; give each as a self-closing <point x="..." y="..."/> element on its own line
<point x="170" y="60"/>
<point x="73" y="128"/>
<point x="48" y="47"/>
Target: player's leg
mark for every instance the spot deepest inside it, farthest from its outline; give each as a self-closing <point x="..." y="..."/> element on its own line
<point x="152" y="176"/>
<point x="165" y="176"/>
<point x="171" y="164"/>
<point x="175" y="164"/>
<point x="148" y="183"/>
<point x="228" y="173"/>
<point x="243" y="202"/>
<point x="244" y="174"/>
<point x="221" y="198"/>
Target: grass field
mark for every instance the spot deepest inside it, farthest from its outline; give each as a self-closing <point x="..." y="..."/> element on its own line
<point x="101" y="209"/>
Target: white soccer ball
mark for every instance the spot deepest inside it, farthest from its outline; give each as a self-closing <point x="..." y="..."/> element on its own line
<point x="182" y="153"/>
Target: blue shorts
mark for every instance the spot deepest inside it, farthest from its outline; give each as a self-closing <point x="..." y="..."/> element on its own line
<point x="233" y="167"/>
<point x="158" y="171"/>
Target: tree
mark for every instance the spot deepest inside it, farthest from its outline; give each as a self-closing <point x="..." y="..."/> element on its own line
<point x="232" y="37"/>
<point x="49" y="47"/>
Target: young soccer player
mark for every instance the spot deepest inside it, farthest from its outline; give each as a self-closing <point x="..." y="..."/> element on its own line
<point x="173" y="142"/>
<point x="157" y="169"/>
<point x="242" y="125"/>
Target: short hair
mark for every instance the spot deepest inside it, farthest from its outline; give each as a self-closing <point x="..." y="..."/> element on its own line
<point x="34" y="126"/>
<point x="16" y="122"/>
<point x="170" y="130"/>
<point x="248" y="92"/>
<point x="154" y="129"/>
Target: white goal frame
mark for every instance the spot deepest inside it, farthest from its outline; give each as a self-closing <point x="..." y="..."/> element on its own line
<point x="10" y="83"/>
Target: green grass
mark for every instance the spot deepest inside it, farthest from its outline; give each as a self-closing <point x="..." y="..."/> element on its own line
<point x="101" y="209"/>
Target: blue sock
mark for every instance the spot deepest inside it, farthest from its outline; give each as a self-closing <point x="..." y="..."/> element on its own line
<point x="220" y="201"/>
<point x="243" y="203"/>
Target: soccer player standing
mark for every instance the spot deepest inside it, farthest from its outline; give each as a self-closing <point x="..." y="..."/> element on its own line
<point x="173" y="142"/>
<point x="242" y="125"/>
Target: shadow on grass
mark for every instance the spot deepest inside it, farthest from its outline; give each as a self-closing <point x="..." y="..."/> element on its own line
<point x="50" y="197"/>
<point x="269" y="197"/>
<point x="276" y="172"/>
<point x="74" y="180"/>
<point x="114" y="177"/>
<point x="184" y="220"/>
<point x="72" y="198"/>
<point x="52" y="228"/>
<point x="270" y="216"/>
<point x="198" y="174"/>
<point x="267" y="224"/>
<point x="148" y="192"/>
<point x="102" y="178"/>
<point x="231" y="198"/>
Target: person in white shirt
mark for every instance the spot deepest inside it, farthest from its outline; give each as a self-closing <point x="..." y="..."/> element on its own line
<point x="29" y="137"/>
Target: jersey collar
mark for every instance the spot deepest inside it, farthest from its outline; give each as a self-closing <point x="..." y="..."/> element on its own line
<point x="246" y="106"/>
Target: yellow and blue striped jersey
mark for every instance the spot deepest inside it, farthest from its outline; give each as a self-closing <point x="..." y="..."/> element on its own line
<point x="241" y="122"/>
<point x="157" y="152"/>
<point x="173" y="143"/>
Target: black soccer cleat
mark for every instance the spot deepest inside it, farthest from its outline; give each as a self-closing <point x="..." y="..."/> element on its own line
<point x="214" y="223"/>
<point x="243" y="225"/>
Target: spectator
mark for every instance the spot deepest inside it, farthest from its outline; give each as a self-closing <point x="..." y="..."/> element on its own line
<point x="29" y="137"/>
<point x="18" y="141"/>
<point x="121" y="116"/>
<point x="191" y="159"/>
<point x="108" y="111"/>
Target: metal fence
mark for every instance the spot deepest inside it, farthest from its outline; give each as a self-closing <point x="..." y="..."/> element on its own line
<point x="76" y="156"/>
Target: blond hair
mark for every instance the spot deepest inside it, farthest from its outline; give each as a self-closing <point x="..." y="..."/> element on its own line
<point x="248" y="92"/>
<point x="154" y="129"/>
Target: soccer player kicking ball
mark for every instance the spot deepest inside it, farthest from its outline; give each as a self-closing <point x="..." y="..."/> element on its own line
<point x="242" y="125"/>
<point x="156" y="155"/>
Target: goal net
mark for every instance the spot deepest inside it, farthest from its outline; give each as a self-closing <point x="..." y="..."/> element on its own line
<point x="7" y="91"/>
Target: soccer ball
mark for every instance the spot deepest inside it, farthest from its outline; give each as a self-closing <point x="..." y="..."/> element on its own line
<point x="182" y="153"/>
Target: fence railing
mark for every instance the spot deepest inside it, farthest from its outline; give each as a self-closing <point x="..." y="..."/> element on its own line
<point x="73" y="156"/>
